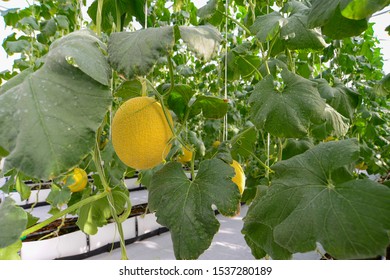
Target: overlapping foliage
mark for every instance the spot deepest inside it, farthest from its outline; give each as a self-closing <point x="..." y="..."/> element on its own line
<point x="294" y="90"/>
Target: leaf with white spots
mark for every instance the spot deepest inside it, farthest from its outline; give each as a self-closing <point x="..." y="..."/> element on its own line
<point x="49" y="118"/>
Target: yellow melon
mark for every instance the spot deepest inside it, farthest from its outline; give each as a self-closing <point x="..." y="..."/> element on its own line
<point x="239" y="178"/>
<point x="77" y="180"/>
<point x="141" y="133"/>
<point x="186" y="156"/>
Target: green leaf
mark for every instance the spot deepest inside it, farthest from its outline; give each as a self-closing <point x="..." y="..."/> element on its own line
<point x="92" y="216"/>
<point x="203" y="40"/>
<point x="129" y="89"/>
<point x="266" y="27"/>
<point x="362" y="9"/>
<point x="111" y="9"/>
<point x="212" y="12"/>
<point x="335" y="125"/>
<point x="58" y="197"/>
<point x="295" y="147"/>
<point x="258" y="235"/>
<point x="48" y="28"/>
<point x="13" y="220"/>
<point x="197" y="143"/>
<point x="11" y="16"/>
<point x="242" y="63"/>
<point x="95" y="214"/>
<point x="62" y="21"/>
<point x="75" y="47"/>
<point x="327" y="14"/>
<point x="11" y="252"/>
<point x="341" y="98"/>
<point x="211" y="107"/>
<point x="135" y="53"/>
<point x="29" y="21"/>
<point x="339" y="27"/>
<point x="49" y="120"/>
<point x="298" y="36"/>
<point x="322" y="12"/>
<point x="286" y="112"/>
<point x="323" y="204"/>
<point x="16" y="80"/>
<point x="243" y="143"/>
<point x="31" y="220"/>
<point x="274" y="65"/>
<point x="3" y="152"/>
<point x="16" y="46"/>
<point x="224" y="152"/>
<point x="382" y="88"/>
<point x="114" y="168"/>
<point x="179" y="99"/>
<point x="191" y="219"/>
<point x="22" y="189"/>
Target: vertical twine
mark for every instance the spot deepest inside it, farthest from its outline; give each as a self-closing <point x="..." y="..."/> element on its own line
<point x="225" y="119"/>
<point x="146" y="14"/>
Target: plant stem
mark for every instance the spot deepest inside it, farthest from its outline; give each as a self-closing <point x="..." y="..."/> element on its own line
<point x="118" y="27"/>
<point x="280" y="154"/>
<point x="254" y="67"/>
<point x="64" y="212"/>
<point x="193" y="165"/>
<point x="171" y="76"/>
<point x="265" y="58"/>
<point x="99" y="17"/>
<point x="267" y="168"/>
<point x="107" y="189"/>
<point x="236" y="22"/>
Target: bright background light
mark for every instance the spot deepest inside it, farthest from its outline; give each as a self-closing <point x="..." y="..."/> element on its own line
<point x="381" y="22"/>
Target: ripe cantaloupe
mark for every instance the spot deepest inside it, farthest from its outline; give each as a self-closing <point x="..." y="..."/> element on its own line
<point x="141" y="133"/>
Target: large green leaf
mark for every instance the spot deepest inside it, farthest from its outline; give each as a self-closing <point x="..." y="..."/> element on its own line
<point x="259" y="236"/>
<point x="268" y="26"/>
<point x="129" y="89"/>
<point x="135" y="53"/>
<point x="85" y="51"/>
<point x="203" y="40"/>
<point x="322" y="11"/>
<point x="362" y="9"/>
<point x="179" y="99"/>
<point x="335" y="125"/>
<point x="242" y="62"/>
<point x="323" y="204"/>
<point x="13" y="220"/>
<point x="340" y="27"/>
<point x="286" y="112"/>
<point x="243" y="143"/>
<point x="212" y="12"/>
<point x="185" y="206"/>
<point x="293" y="30"/>
<point x="49" y="119"/>
<point x="341" y="98"/>
<point x="211" y="107"/>
<point x="295" y="147"/>
<point x="327" y="14"/>
<point x="112" y="9"/>
<point x="298" y="36"/>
